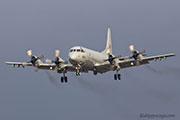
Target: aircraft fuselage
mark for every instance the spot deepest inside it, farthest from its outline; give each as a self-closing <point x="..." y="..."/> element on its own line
<point x="81" y="56"/>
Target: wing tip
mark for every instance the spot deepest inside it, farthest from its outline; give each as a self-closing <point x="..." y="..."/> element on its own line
<point x="6" y="62"/>
<point x="173" y="54"/>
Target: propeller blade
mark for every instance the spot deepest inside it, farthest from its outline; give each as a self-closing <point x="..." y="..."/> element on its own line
<point x="41" y="56"/>
<point x="142" y="52"/>
<point x="29" y="53"/>
<point x="118" y="56"/>
<point x="48" y="61"/>
<point x="57" y="52"/>
<point x="131" y="48"/>
<point x="35" y="69"/>
<point x="125" y="58"/>
<point x="106" y="60"/>
<point x="110" y="59"/>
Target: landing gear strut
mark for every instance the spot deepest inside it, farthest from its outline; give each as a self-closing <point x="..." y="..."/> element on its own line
<point x="117" y="76"/>
<point x="78" y="71"/>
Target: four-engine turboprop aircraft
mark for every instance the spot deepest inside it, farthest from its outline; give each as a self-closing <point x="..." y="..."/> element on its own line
<point x="83" y="60"/>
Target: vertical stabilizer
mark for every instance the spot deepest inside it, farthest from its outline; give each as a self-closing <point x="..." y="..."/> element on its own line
<point x="108" y="49"/>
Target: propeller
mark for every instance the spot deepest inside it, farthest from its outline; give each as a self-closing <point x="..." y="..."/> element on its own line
<point x="136" y="53"/>
<point x="29" y="53"/>
<point x="111" y="58"/>
<point x="34" y="59"/>
<point x="57" y="52"/>
<point x="131" y="48"/>
<point x="57" y="60"/>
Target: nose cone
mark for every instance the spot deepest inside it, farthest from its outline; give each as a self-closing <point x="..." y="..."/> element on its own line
<point x="73" y="58"/>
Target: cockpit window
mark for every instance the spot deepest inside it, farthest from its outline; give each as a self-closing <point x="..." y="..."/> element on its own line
<point x="76" y="50"/>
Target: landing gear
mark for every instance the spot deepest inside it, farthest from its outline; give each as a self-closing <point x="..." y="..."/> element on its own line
<point x="64" y="78"/>
<point x="117" y="76"/>
<point x="95" y="71"/>
<point x="78" y="71"/>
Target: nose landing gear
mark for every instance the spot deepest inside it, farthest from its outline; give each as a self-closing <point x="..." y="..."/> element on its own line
<point x="78" y="70"/>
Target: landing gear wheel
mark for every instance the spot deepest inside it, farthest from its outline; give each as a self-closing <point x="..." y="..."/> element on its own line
<point x="77" y="73"/>
<point x="62" y="79"/>
<point x="119" y="76"/>
<point x="115" y="77"/>
<point x="95" y="72"/>
<point x="65" y="79"/>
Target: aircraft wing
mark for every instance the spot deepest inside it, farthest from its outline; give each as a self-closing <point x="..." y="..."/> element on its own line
<point x="158" y="57"/>
<point x="102" y="68"/>
<point x="46" y="66"/>
<point x="40" y="66"/>
<point x="67" y="67"/>
<point x="144" y="60"/>
<point x="125" y="63"/>
<point x="19" y="63"/>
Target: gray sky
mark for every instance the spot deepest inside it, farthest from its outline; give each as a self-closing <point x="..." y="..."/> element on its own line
<point x="47" y="25"/>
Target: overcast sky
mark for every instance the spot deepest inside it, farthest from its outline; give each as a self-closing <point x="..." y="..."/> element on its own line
<point x="47" y="25"/>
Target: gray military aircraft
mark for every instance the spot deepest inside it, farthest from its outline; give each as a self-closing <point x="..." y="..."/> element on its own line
<point x="83" y="60"/>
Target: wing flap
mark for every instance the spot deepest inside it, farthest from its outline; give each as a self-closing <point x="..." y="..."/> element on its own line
<point x="132" y="63"/>
<point x="103" y="68"/>
<point x="46" y="66"/>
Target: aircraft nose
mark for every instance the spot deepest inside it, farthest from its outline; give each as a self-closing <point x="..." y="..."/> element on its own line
<point x="72" y="58"/>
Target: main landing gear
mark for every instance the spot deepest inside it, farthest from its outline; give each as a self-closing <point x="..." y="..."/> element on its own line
<point x="117" y="76"/>
<point x="95" y="71"/>
<point x="64" y="78"/>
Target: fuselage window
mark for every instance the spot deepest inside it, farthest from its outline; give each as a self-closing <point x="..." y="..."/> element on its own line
<point x="74" y="50"/>
<point x="71" y="50"/>
<point x="78" y="50"/>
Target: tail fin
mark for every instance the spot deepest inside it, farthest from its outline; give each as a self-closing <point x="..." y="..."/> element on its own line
<point x="108" y="49"/>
